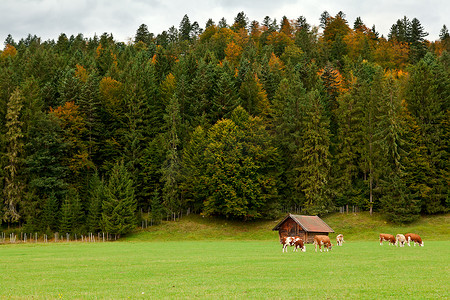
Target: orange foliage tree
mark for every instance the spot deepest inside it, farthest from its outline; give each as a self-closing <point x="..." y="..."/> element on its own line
<point x="73" y="125"/>
<point x="391" y="54"/>
<point x="233" y="52"/>
<point x="81" y="73"/>
<point x="9" y="50"/>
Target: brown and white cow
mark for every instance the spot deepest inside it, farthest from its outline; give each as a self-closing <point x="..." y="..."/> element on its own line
<point x="324" y="240"/>
<point x="298" y="243"/>
<point x="400" y="240"/>
<point x="295" y="241"/>
<point x="286" y="241"/>
<point x="415" y="238"/>
<point x="388" y="238"/>
<point x="339" y="239"/>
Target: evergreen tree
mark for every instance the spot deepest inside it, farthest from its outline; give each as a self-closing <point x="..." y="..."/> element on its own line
<point x="397" y="202"/>
<point x="13" y="189"/>
<point x="288" y="114"/>
<point x="427" y="96"/>
<point x="170" y="170"/>
<point x="96" y="198"/>
<point x="345" y="168"/>
<point x="193" y="181"/>
<point x="254" y="97"/>
<point x="119" y="205"/>
<point x="225" y="98"/>
<point x="358" y="24"/>
<point x="315" y="157"/>
<point x="185" y="29"/>
<point x="65" y="225"/>
<point x="143" y="35"/>
<point x="50" y="214"/>
<point x="417" y="34"/>
<point x="240" y="22"/>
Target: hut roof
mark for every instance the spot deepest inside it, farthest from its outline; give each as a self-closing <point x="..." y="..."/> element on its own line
<point x="308" y="223"/>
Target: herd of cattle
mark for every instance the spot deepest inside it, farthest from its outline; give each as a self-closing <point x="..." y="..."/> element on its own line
<point x="324" y="240"/>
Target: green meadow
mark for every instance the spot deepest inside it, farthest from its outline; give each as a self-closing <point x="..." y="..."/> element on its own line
<point x="153" y="265"/>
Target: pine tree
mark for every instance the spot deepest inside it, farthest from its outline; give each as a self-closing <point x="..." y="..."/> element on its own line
<point x="225" y="98"/>
<point x="417" y="34"/>
<point x="50" y="214"/>
<point x="119" y="205"/>
<point x="96" y="198"/>
<point x="65" y="225"/>
<point x="185" y="29"/>
<point x="345" y="168"/>
<point x="13" y="190"/>
<point x="193" y="181"/>
<point x="398" y="203"/>
<point x="253" y="96"/>
<point x="288" y="114"/>
<point x="143" y="35"/>
<point x="315" y="157"/>
<point x="170" y="170"/>
<point x="427" y="97"/>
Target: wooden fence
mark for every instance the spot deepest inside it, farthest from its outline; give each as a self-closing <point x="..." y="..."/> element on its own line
<point x="13" y="238"/>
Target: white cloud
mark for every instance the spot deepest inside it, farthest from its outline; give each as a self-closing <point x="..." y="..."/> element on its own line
<point x="49" y="18"/>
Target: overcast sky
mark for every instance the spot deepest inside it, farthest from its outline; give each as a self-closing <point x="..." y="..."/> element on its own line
<point x="49" y="18"/>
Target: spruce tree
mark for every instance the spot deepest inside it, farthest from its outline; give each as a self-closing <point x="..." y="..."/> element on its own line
<point x="96" y="198"/>
<point x="315" y="157"/>
<point x="170" y="171"/>
<point x="193" y="180"/>
<point x="288" y="114"/>
<point x="14" y="186"/>
<point x="119" y="204"/>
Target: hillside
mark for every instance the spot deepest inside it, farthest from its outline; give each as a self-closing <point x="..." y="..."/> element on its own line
<point x="359" y="226"/>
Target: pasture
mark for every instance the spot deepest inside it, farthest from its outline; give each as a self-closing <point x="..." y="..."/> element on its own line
<point x="223" y="269"/>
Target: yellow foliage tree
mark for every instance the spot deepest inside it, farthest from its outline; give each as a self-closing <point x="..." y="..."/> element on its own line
<point x="233" y="52"/>
<point x="9" y="50"/>
<point x="81" y="73"/>
<point x="111" y="92"/>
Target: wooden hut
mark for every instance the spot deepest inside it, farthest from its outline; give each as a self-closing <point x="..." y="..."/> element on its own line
<point x="305" y="227"/>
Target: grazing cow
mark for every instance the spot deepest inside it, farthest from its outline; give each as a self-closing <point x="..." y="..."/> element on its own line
<point x="400" y="240"/>
<point x="339" y="239"/>
<point x="415" y="238"/>
<point x="324" y="240"/>
<point x="286" y="241"/>
<point x="388" y="238"/>
<point x="295" y="241"/>
<point x="298" y="243"/>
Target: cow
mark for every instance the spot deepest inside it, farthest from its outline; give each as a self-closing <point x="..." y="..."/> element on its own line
<point x="400" y="240"/>
<point x="286" y="241"/>
<point x="295" y="241"/>
<point x="339" y="239"/>
<point x="298" y="243"/>
<point x="415" y="238"/>
<point x="388" y="238"/>
<point x="324" y="240"/>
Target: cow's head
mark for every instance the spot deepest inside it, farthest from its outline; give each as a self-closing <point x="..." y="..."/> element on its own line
<point x="329" y="246"/>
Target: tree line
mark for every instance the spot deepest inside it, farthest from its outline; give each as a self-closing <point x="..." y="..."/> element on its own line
<point x="236" y="120"/>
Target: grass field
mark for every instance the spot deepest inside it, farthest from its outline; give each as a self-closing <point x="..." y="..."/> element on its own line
<point x="223" y="269"/>
<point x="221" y="259"/>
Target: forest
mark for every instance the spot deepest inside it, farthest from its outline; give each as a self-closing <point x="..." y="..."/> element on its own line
<point x="242" y="121"/>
